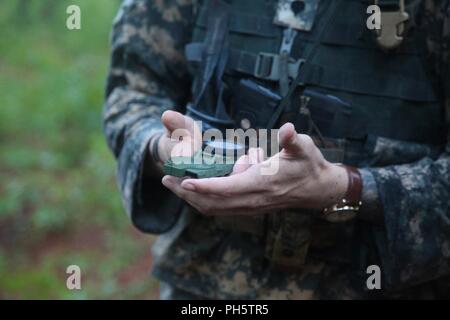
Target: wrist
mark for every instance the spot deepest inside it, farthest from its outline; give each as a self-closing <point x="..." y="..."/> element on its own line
<point x="335" y="182"/>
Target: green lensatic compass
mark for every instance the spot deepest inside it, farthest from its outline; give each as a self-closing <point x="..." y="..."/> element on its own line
<point x="217" y="160"/>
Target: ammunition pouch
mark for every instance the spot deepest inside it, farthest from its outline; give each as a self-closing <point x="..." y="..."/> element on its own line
<point x="253" y="105"/>
<point x="288" y="239"/>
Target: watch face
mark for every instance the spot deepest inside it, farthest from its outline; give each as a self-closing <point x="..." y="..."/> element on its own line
<point x="340" y="215"/>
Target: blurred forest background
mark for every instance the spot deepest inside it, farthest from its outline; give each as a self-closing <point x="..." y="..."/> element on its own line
<point x="59" y="203"/>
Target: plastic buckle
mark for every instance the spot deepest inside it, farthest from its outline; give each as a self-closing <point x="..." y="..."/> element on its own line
<point x="272" y="67"/>
<point x="390" y="36"/>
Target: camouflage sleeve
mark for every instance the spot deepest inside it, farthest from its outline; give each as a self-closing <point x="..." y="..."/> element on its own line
<point x="414" y="242"/>
<point x="148" y="75"/>
<point x="372" y="208"/>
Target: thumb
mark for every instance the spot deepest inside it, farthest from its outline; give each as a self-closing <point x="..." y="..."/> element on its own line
<point x="289" y="139"/>
<point x="173" y="120"/>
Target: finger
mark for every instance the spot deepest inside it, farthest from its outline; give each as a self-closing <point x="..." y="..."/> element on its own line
<point x="212" y="204"/>
<point x="183" y="149"/>
<point x="183" y="136"/>
<point x="242" y="164"/>
<point x="167" y="143"/>
<point x="171" y="180"/>
<point x="174" y="184"/>
<point x="289" y="140"/>
<point x="184" y="125"/>
<point x="256" y="155"/>
<point x="238" y="184"/>
<point x="203" y="204"/>
<point x="172" y="120"/>
<point x="248" y="204"/>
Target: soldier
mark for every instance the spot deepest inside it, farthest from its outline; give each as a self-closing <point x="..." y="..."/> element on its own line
<point x="374" y="100"/>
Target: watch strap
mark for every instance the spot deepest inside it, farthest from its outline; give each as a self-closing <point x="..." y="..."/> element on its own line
<point x="355" y="185"/>
<point x="347" y="208"/>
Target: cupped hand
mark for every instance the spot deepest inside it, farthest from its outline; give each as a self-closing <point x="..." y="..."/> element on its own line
<point x="296" y="177"/>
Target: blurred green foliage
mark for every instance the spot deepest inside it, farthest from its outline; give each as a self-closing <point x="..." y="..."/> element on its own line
<point x="59" y="203"/>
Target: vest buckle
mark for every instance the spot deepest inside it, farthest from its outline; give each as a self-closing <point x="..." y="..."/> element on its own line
<point x="267" y="67"/>
<point x="390" y="36"/>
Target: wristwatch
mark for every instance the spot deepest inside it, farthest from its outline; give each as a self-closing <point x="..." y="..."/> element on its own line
<point x="347" y="208"/>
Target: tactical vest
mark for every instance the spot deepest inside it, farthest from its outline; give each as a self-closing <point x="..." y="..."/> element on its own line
<point x="391" y="95"/>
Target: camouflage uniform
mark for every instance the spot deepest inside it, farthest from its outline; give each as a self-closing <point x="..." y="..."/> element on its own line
<point x="404" y="225"/>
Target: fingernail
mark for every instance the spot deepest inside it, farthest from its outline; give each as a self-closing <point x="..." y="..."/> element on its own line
<point x="189" y="187"/>
<point x="165" y="181"/>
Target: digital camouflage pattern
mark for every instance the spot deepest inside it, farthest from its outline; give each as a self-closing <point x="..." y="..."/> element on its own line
<point x="405" y="224"/>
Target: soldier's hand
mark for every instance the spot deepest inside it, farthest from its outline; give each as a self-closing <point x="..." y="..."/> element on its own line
<point x="182" y="136"/>
<point x="302" y="179"/>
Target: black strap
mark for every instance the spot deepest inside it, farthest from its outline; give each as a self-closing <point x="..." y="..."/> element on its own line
<point x="262" y="66"/>
<point x="245" y="23"/>
<point x="387" y="85"/>
<point x="390" y="85"/>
